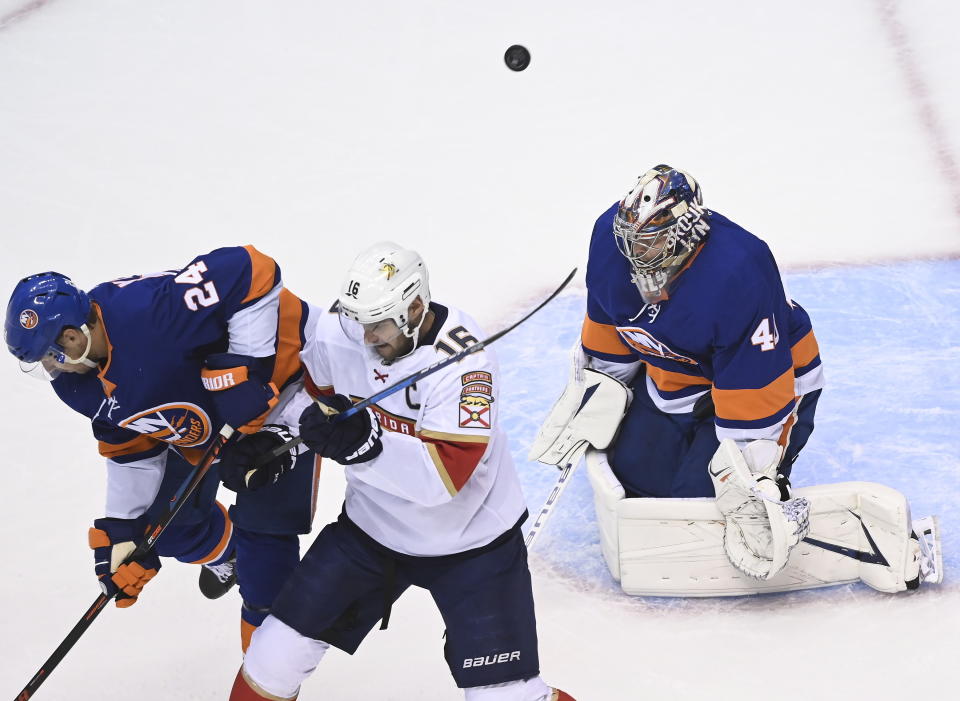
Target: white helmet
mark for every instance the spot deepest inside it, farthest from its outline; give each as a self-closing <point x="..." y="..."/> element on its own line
<point x="380" y="285"/>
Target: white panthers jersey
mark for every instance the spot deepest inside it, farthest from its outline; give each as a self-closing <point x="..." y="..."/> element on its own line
<point x="445" y="481"/>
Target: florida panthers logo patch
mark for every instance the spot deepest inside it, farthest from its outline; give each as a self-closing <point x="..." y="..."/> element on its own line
<point x="475" y="399"/>
<point x="182" y="424"/>
<point x="29" y="319"/>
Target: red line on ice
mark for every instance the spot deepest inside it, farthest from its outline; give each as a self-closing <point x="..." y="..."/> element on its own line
<point x="920" y="92"/>
<point x="21" y="13"/>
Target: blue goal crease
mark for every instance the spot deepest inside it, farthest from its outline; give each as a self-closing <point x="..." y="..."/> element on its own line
<point x="889" y="338"/>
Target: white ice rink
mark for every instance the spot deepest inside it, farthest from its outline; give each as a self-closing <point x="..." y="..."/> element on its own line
<point x="135" y="135"/>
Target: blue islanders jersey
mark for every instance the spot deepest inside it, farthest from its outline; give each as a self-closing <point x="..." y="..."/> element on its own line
<point x="728" y="327"/>
<point x="147" y="396"/>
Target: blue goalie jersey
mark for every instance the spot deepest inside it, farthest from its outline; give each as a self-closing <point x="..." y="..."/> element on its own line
<point x="728" y="328"/>
<point x="148" y="396"/>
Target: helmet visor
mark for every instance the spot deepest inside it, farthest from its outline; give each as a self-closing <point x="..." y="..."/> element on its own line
<point x="49" y="367"/>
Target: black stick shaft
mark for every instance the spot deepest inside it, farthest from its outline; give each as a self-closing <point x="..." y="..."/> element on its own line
<point x="145" y="546"/>
<point x="417" y="376"/>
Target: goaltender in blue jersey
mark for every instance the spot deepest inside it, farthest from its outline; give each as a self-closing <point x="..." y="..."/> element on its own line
<point x="159" y="363"/>
<point x="722" y="343"/>
<point x="688" y="310"/>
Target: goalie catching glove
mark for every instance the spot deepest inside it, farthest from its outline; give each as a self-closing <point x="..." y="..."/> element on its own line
<point x="762" y="525"/>
<point x="113" y="541"/>
<point x="237" y="471"/>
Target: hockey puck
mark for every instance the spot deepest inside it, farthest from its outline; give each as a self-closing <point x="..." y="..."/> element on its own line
<point x="517" y="57"/>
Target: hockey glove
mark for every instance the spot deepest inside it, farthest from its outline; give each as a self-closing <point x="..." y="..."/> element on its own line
<point x="236" y="461"/>
<point x="349" y="441"/>
<point x="242" y="398"/>
<point x="113" y="540"/>
<point x="761" y="523"/>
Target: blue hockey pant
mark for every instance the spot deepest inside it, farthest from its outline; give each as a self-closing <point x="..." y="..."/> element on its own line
<point x="347" y="582"/>
<point x="657" y="454"/>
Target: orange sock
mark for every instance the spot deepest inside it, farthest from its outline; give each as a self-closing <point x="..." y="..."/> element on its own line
<point x="246" y="632"/>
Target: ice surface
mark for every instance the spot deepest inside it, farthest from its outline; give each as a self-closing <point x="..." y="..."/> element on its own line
<point x="135" y="135"/>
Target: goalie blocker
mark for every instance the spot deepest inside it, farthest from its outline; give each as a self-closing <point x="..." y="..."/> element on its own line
<point x="859" y="531"/>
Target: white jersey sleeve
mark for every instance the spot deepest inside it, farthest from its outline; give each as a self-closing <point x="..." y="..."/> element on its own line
<point x="132" y="486"/>
<point x="445" y="481"/>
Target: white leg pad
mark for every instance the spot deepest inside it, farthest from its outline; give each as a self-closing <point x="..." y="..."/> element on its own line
<point x="279" y="659"/>
<point x="860" y="531"/>
<point x="607" y="494"/>
<point x="533" y="689"/>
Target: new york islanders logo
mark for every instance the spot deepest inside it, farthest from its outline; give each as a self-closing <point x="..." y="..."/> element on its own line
<point x="29" y="319"/>
<point x="643" y="342"/>
<point x="182" y="424"/>
<point x="475" y="399"/>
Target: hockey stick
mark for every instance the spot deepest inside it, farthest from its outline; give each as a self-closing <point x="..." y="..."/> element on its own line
<point x="415" y="377"/>
<point x="145" y="546"/>
<point x="565" y="474"/>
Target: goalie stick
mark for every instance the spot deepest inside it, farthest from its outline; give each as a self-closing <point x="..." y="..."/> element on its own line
<point x="562" y="481"/>
<point x="146" y="545"/>
<point x="415" y="377"/>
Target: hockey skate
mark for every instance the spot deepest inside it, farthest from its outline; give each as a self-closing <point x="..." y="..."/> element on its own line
<point x="929" y="557"/>
<point x="217" y="580"/>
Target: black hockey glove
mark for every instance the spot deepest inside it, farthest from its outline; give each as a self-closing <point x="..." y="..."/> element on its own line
<point x="349" y="441"/>
<point x="236" y="461"/>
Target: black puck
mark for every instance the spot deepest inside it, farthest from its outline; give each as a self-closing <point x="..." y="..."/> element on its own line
<point x="517" y="57"/>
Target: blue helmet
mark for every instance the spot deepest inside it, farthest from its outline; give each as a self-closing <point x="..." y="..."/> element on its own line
<point x="40" y="307"/>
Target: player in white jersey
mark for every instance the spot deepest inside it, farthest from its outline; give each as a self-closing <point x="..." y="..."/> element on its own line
<point x="432" y="496"/>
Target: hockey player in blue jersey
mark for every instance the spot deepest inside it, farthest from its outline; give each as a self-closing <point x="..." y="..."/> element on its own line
<point x="159" y="363"/>
<point x="689" y="311"/>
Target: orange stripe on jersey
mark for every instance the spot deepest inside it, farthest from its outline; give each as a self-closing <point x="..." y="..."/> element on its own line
<point x="754" y="404"/>
<point x="455" y="456"/>
<point x="805" y="350"/>
<point x="603" y="338"/>
<point x="288" y="338"/>
<point x="108" y="386"/>
<point x="263" y="271"/>
<point x="218" y="549"/>
<point x="134" y="445"/>
<point x="667" y="381"/>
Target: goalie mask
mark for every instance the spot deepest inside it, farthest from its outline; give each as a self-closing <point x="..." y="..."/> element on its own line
<point x="375" y="301"/>
<point x="659" y="223"/>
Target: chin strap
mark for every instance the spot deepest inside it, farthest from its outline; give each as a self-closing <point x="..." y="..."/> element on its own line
<point x="83" y="359"/>
<point x="413" y="334"/>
